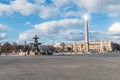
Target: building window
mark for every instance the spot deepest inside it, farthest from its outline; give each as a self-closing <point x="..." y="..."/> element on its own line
<point x="81" y="46"/>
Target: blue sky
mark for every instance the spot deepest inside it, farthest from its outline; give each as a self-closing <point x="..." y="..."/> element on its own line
<point x="58" y="20"/>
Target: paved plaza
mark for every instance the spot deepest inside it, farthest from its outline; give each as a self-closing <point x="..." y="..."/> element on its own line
<point x="80" y="67"/>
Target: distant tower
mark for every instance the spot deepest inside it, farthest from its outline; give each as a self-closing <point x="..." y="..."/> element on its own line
<point x="36" y="49"/>
<point x="86" y="33"/>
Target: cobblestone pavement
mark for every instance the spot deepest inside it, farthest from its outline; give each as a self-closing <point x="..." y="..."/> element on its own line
<point x="88" y="67"/>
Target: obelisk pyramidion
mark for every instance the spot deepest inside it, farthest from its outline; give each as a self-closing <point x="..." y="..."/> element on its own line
<point x="86" y="34"/>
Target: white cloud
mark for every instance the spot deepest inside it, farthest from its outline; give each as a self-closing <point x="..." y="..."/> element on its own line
<point x="24" y="7"/>
<point x="114" y="29"/>
<point x="98" y="35"/>
<point x="27" y="23"/>
<point x="71" y="13"/>
<point x="51" y="29"/>
<point x="89" y="5"/>
<point x="27" y="8"/>
<point x="61" y="8"/>
<point x="77" y="35"/>
<point x="40" y="1"/>
<point x="62" y="30"/>
<point x="111" y="7"/>
<point x="27" y="35"/>
<point x="55" y="26"/>
<point x="21" y="6"/>
<point x="4" y="28"/>
<point x="60" y="3"/>
<point x="113" y="10"/>
<point x="48" y="11"/>
<point x="3" y="35"/>
<point x="72" y="35"/>
<point x="5" y="9"/>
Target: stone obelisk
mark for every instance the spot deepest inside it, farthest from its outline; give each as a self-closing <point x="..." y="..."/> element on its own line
<point x="86" y="34"/>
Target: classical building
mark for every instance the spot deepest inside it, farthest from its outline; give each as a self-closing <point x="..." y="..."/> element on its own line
<point x="95" y="46"/>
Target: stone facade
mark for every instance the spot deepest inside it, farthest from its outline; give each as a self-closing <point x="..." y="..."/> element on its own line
<point x="96" y="46"/>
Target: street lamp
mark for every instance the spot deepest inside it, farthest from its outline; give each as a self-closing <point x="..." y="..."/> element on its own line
<point x="86" y="33"/>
